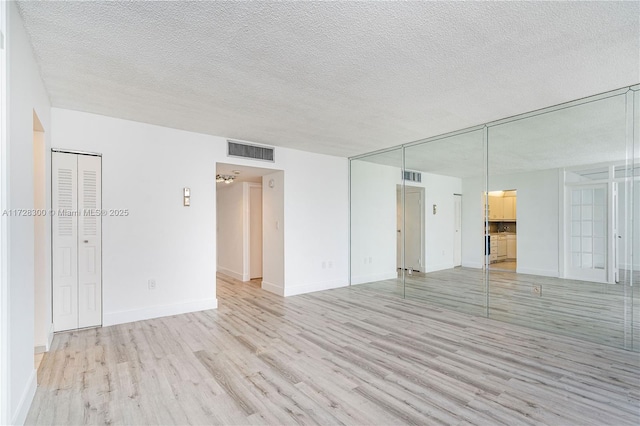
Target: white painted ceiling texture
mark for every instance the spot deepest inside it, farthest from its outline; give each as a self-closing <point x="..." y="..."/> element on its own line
<point x="340" y="78"/>
<point x="580" y="135"/>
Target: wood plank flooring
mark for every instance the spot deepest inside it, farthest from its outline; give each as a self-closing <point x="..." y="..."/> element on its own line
<point x="350" y="356"/>
<point x="601" y="313"/>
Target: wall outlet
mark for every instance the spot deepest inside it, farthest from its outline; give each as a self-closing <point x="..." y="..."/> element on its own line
<point x="536" y="290"/>
<point x="324" y="265"/>
<point x="330" y="263"/>
<point x="152" y="284"/>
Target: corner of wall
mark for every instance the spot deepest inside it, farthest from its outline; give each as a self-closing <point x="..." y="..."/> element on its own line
<point x="20" y="415"/>
<point x="273" y="288"/>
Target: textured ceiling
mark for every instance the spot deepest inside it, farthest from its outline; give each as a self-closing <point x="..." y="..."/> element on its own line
<point x="339" y="78"/>
<point x="585" y="134"/>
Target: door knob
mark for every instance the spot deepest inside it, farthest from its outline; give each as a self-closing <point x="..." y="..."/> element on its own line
<point x="86" y="241"/>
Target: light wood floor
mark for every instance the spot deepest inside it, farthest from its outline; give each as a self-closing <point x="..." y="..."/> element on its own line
<point x="347" y="356"/>
<point x="600" y="313"/>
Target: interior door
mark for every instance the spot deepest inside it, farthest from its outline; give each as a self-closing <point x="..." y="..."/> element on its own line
<point x="457" y="230"/>
<point x="588" y="232"/>
<point x="89" y="241"/>
<point x="65" y="241"/>
<point x="77" y="231"/>
<point x="414" y="229"/>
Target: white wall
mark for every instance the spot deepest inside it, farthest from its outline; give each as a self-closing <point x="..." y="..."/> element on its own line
<point x="26" y="93"/>
<point x="230" y="226"/>
<point x="255" y="230"/>
<point x="537" y="219"/>
<point x="273" y="231"/>
<point x="145" y="168"/>
<point x="373" y="222"/>
<point x="316" y="213"/>
<point x="42" y="242"/>
<point x="439" y="228"/>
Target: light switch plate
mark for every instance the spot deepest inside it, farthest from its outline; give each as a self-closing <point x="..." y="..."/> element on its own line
<point x="186" y="192"/>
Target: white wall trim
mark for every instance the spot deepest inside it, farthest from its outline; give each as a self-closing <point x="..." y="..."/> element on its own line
<point x="246" y="249"/>
<point x="310" y="288"/>
<point x="440" y="267"/>
<point x="476" y="265"/>
<point x="273" y="288"/>
<point x="122" y="317"/>
<point x="45" y="348"/>
<point x="363" y="279"/>
<point x="233" y="274"/>
<point x="49" y="337"/>
<point x="5" y="379"/>
<point x="20" y="416"/>
<point x="541" y="272"/>
<point x="245" y="230"/>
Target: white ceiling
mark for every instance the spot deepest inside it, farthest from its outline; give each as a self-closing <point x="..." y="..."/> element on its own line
<point x="339" y="78"/>
<point x="242" y="173"/>
<point x="584" y="134"/>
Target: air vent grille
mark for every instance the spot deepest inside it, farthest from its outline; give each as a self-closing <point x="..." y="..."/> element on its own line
<point x="411" y="176"/>
<point x="256" y="152"/>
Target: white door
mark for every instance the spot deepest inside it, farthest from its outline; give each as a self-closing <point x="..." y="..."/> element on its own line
<point x="255" y="232"/>
<point x="89" y="241"/>
<point x="414" y="229"/>
<point x="588" y="233"/>
<point x="457" y="231"/>
<point x="65" y="241"/>
<point x="77" y="271"/>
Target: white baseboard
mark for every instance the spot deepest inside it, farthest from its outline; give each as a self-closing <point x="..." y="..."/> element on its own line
<point x="310" y="288"/>
<point x="273" y="288"/>
<point x="363" y="279"/>
<point x="476" y="265"/>
<point x="534" y="271"/>
<point x="20" y="416"/>
<point x="440" y="267"/>
<point x="627" y="266"/>
<point x="49" y="337"/>
<point x="233" y="274"/>
<point x="122" y="317"/>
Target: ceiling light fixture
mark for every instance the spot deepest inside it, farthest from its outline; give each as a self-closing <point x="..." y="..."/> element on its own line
<point x="224" y="178"/>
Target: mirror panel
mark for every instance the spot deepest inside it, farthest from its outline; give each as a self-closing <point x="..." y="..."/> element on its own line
<point x="531" y="220"/>
<point x="444" y="245"/>
<point x="552" y="177"/>
<point x="377" y="229"/>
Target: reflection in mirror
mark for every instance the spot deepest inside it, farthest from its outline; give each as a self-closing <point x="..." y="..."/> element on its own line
<point x="569" y="168"/>
<point x="532" y="220"/>
<point x="377" y="231"/>
<point x="434" y="216"/>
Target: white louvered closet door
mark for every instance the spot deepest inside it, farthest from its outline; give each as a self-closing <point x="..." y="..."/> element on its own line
<point x="89" y="242"/>
<point x="65" y="241"/>
<point x="77" y="283"/>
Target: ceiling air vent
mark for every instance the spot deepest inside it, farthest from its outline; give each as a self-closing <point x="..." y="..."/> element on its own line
<point x="411" y="176"/>
<point x="244" y="150"/>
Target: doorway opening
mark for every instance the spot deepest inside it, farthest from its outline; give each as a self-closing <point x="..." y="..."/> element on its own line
<point x="250" y="226"/>
<point x="457" y="230"/>
<point x="76" y="198"/>
<point x="411" y="237"/>
<point x="41" y="276"/>
<point x="503" y="229"/>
